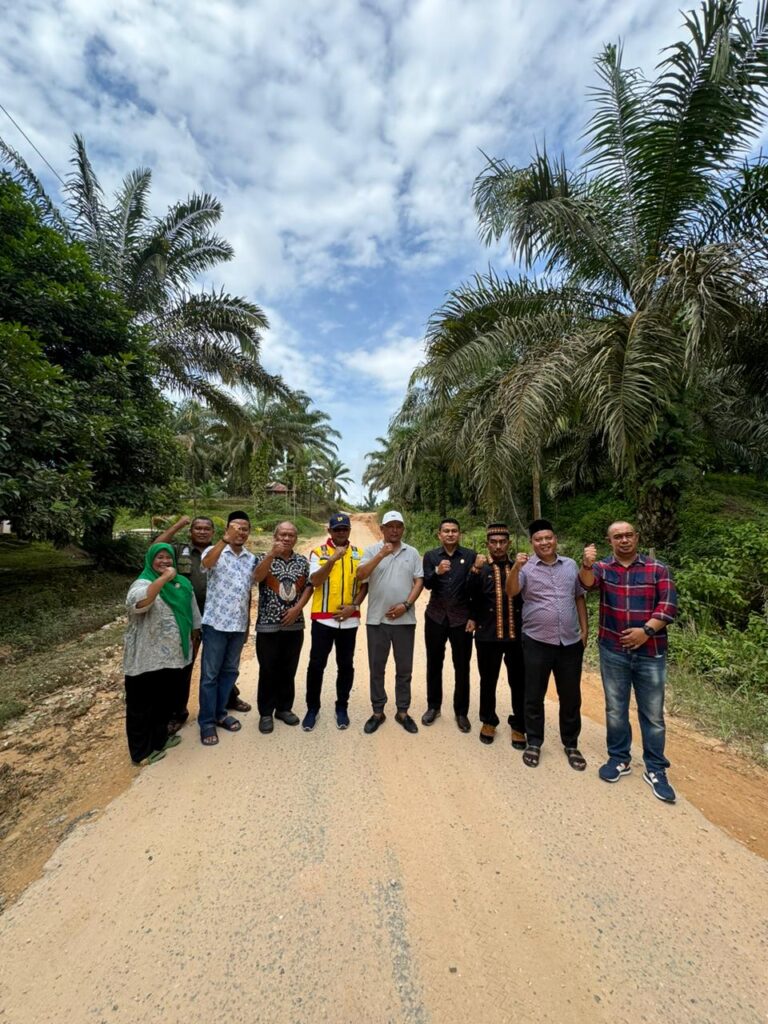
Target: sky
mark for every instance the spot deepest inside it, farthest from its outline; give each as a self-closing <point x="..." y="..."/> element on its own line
<point x="342" y="137"/>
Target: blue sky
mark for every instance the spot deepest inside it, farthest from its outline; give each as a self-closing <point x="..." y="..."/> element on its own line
<point x="342" y="137"/>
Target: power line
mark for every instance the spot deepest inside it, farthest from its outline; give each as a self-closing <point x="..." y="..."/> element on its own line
<point x="17" y="125"/>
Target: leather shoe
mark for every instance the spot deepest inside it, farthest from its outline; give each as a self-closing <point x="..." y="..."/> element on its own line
<point x="430" y="715"/>
<point x="266" y="724"/>
<point x="288" y="717"/>
<point x="374" y="722"/>
<point x="406" y="721"/>
<point x="487" y="733"/>
<point x="518" y="740"/>
<point x="463" y="723"/>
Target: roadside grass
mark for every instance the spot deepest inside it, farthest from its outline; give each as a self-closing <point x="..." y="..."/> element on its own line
<point x="42" y="610"/>
<point x="737" y="716"/>
<point x="27" y="556"/>
<point x="34" y="676"/>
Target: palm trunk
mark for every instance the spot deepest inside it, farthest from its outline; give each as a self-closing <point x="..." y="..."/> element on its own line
<point x="536" y="491"/>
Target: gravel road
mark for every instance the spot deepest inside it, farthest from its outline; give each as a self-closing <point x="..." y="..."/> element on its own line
<point x="332" y="876"/>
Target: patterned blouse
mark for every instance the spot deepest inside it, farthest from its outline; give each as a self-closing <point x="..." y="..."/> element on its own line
<point x="280" y="591"/>
<point x="152" y="639"/>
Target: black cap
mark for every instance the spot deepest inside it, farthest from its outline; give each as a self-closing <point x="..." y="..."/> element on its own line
<point x="238" y="515"/>
<point x="539" y="524"/>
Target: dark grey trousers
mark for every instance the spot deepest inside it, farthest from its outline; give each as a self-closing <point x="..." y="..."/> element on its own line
<point x="400" y="639"/>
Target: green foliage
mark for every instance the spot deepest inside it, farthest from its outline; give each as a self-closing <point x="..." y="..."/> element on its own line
<point x="90" y="430"/>
<point x="585" y="518"/>
<point x="121" y="554"/>
<point x="44" y="608"/>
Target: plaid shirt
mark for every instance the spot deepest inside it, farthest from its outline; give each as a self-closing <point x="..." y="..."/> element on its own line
<point x="630" y="596"/>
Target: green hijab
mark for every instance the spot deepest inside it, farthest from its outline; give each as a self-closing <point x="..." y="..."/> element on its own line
<point x="177" y="594"/>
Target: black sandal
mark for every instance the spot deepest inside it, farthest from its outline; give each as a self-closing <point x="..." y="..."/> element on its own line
<point x="531" y="756"/>
<point x="575" y="758"/>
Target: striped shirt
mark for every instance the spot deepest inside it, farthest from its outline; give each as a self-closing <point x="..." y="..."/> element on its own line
<point x="549" y="592"/>
<point x="630" y="595"/>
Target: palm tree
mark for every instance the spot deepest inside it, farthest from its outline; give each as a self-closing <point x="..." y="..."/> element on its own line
<point x="204" y="341"/>
<point x="334" y="476"/>
<point x="630" y="348"/>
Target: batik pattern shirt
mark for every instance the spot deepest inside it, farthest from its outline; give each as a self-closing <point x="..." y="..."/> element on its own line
<point x="228" y="595"/>
<point x="280" y="591"/>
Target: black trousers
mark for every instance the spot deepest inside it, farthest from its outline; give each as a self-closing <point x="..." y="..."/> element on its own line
<point x="324" y="639"/>
<point x="564" y="662"/>
<point x="148" y="701"/>
<point x="436" y="636"/>
<point x="278" y="657"/>
<point x="490" y="655"/>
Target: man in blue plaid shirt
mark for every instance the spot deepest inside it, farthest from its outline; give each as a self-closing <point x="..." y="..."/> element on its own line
<point x="637" y="601"/>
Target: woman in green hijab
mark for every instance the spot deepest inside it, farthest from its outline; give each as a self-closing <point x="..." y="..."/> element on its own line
<point x="158" y="646"/>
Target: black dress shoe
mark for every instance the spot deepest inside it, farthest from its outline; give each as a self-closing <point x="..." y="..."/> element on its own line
<point x="266" y="724"/>
<point x="374" y="722"/>
<point x="406" y="721"/>
<point x="430" y="715"/>
<point x="288" y="717"/>
<point x="463" y="723"/>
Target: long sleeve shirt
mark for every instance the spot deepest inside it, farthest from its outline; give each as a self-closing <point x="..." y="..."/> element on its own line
<point x="494" y="615"/>
<point x="448" y="600"/>
<point x="630" y="595"/>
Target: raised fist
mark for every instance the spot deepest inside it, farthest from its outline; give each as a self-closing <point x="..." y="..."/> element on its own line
<point x="168" y="574"/>
<point x="387" y="549"/>
<point x="590" y="556"/>
<point x="520" y="559"/>
<point x="480" y="561"/>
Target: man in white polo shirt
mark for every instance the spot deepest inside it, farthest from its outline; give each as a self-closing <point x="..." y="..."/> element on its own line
<point x="395" y="577"/>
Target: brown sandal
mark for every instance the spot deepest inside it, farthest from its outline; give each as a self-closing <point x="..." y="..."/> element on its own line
<point x="531" y="756"/>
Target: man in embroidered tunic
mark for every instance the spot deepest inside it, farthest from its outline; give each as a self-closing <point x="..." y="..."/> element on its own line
<point x="554" y="635"/>
<point x="496" y="622"/>
<point x="637" y="603"/>
<point x="335" y="615"/>
<point x="284" y="589"/>
<point x="229" y="566"/>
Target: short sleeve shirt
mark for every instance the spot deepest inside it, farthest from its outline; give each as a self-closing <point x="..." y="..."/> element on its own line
<point x="390" y="583"/>
<point x="549" y="594"/>
<point x="228" y="595"/>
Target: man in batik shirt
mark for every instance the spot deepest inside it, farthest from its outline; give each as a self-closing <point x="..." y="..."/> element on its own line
<point x="284" y="589"/>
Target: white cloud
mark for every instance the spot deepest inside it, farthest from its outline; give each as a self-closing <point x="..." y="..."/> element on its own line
<point x="390" y="365"/>
<point x="342" y="137"/>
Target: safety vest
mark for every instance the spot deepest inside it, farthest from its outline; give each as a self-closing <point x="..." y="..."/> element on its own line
<point x="341" y="586"/>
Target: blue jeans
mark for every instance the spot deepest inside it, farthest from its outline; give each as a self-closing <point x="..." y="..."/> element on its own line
<point x="647" y="673"/>
<point x="219" y="669"/>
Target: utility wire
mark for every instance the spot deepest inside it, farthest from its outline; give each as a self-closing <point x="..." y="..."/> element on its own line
<point x="17" y="125"/>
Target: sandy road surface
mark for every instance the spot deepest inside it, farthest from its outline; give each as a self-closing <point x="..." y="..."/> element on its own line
<point x="393" y="878"/>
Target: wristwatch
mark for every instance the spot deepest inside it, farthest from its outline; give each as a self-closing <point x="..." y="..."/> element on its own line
<point x="406" y="605"/>
<point x="356" y="607"/>
<point x="648" y="630"/>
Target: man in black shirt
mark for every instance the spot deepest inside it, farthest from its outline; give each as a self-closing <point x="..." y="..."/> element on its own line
<point x="497" y="636"/>
<point x="445" y="577"/>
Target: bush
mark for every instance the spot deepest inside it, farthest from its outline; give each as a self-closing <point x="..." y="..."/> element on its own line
<point x="122" y="554"/>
